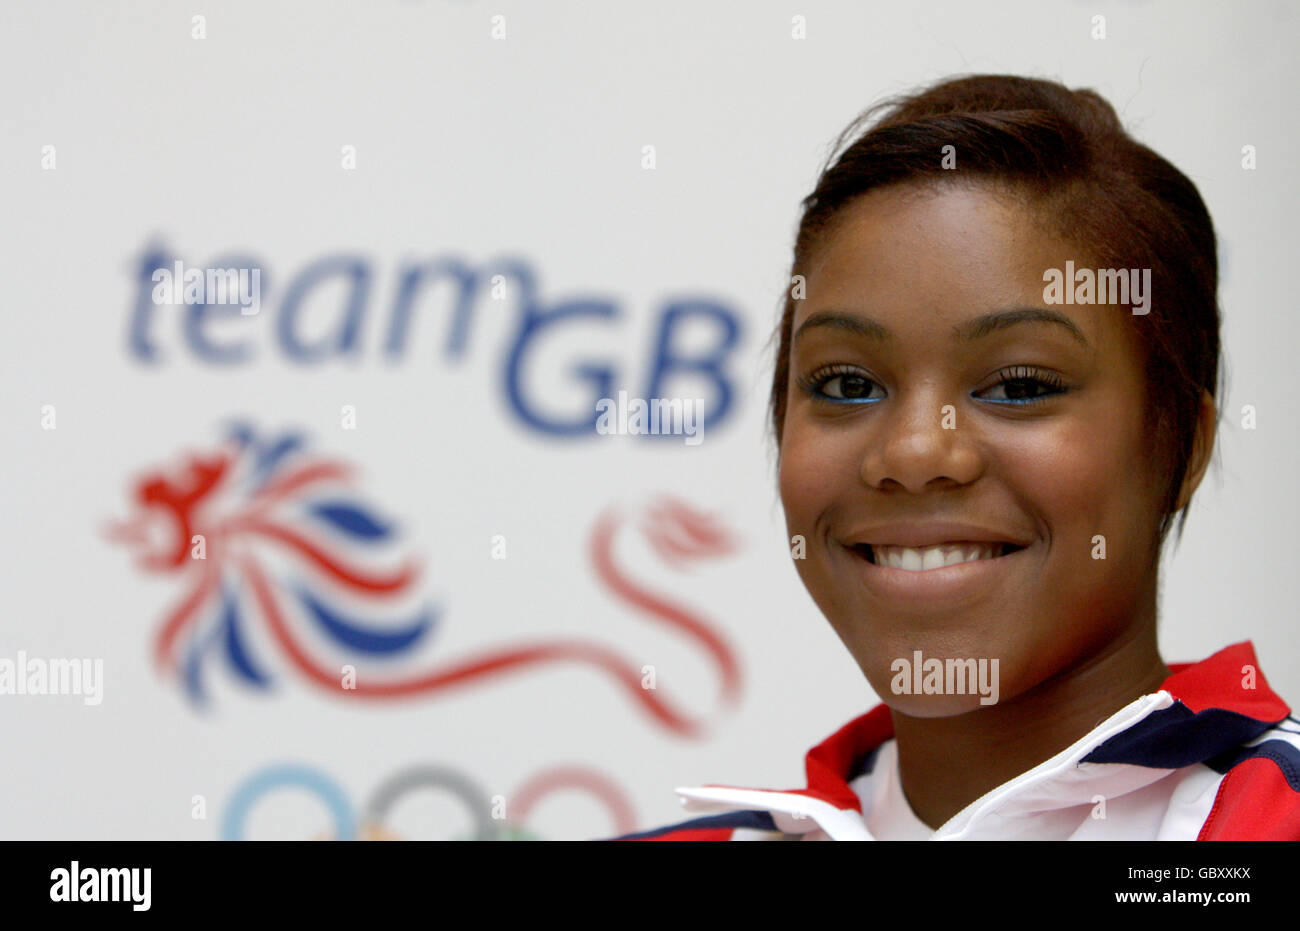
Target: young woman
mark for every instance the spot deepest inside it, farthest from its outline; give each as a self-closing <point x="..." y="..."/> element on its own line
<point x="995" y="390"/>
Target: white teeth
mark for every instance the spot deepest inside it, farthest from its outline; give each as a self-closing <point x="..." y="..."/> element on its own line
<point x="933" y="557"/>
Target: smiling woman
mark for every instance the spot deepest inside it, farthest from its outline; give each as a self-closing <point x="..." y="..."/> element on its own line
<point x="982" y="485"/>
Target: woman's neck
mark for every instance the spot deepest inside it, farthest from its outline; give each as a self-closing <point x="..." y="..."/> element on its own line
<point x="947" y="763"/>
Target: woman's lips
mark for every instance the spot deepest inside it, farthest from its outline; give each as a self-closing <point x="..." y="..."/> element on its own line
<point x="935" y="556"/>
<point x="952" y="583"/>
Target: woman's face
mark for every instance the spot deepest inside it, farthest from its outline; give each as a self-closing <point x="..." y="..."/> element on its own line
<point x="911" y="403"/>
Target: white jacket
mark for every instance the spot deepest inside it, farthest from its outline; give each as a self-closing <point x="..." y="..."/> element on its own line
<point x="1212" y="755"/>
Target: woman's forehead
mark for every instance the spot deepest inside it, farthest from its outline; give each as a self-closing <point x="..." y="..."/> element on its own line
<point x="918" y="231"/>
<point x="928" y="259"/>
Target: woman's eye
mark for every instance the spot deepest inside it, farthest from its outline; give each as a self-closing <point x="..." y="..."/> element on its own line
<point x="1020" y="385"/>
<point x="1025" y="388"/>
<point x="848" y="387"/>
<point x="841" y="386"/>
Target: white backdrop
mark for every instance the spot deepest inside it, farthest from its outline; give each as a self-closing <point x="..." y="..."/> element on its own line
<point x="528" y="146"/>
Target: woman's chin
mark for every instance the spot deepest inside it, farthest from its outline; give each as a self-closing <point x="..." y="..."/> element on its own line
<point x="935" y="706"/>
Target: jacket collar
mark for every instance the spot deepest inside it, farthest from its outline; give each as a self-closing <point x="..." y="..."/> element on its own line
<point x="1201" y="711"/>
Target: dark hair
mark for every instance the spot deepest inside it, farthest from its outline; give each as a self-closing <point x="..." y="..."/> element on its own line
<point x="1066" y="153"/>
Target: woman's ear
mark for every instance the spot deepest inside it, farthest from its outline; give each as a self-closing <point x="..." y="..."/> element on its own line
<point x="1202" y="448"/>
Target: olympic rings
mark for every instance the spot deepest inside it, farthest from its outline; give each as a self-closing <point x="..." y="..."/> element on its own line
<point x="371" y="826"/>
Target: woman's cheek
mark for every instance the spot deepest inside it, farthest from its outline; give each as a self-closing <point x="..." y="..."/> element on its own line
<point x="813" y="464"/>
<point x="1059" y="475"/>
<point x="1092" y="511"/>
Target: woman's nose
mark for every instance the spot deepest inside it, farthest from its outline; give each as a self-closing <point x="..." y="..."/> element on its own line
<point x="917" y="441"/>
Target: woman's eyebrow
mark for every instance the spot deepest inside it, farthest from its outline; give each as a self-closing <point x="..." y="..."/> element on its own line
<point x="970" y="330"/>
<point x="982" y="326"/>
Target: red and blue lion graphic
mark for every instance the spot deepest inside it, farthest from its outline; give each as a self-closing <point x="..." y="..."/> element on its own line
<point x="228" y="520"/>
